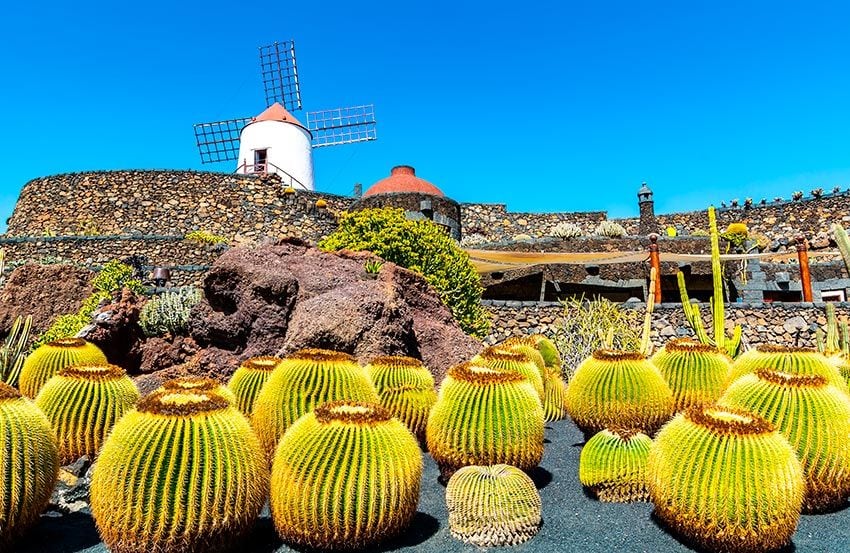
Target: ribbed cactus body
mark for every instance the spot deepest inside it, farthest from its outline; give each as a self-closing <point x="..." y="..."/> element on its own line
<point x="484" y="416"/>
<point x="618" y="389"/>
<point x="504" y="359"/>
<point x="345" y="475"/>
<point x="554" y="402"/>
<point x="301" y="382"/>
<point x="841" y="361"/>
<point x="247" y="381"/>
<point x="393" y="371"/>
<point x="83" y="403"/>
<point x="796" y="361"/>
<point x="492" y="506"/>
<point x="815" y="418"/>
<point x="198" y="384"/>
<point x="29" y="463"/>
<point x="411" y="406"/>
<point x="726" y="480"/>
<point x="613" y="465"/>
<point x="182" y="473"/>
<point x="554" y="388"/>
<point x="549" y="351"/>
<point x="405" y="388"/>
<point x="46" y="361"/>
<point x="696" y="372"/>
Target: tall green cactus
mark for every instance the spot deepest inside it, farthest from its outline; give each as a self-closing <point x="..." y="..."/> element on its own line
<point x="29" y="463"/>
<point x="843" y="242"/>
<point x="47" y="360"/>
<point x="182" y="473"/>
<point x="345" y="475"/>
<point x="13" y="351"/>
<point x="83" y="403"/>
<point x="247" y="381"/>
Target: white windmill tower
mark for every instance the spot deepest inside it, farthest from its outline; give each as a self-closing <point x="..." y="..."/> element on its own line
<point x="275" y="141"/>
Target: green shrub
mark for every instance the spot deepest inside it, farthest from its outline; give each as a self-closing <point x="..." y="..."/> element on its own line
<point x="169" y="312"/>
<point x="114" y="276"/>
<point x="204" y="237"/>
<point x="421" y="247"/>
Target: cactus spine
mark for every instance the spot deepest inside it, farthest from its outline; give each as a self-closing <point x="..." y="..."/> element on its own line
<point x="484" y="416"/>
<point x="795" y="361"/>
<point x="815" y="418"/>
<point x="554" y="388"/>
<point x="83" y="403"/>
<point x="198" y="384"/>
<point x="405" y="388"/>
<point x="696" y="372"/>
<point x="519" y="362"/>
<point x="29" y="461"/>
<point x="302" y="381"/>
<point x="247" y="381"/>
<point x="618" y="388"/>
<point x="392" y="371"/>
<point x="492" y="506"/>
<point x="613" y="465"/>
<point x="345" y="475"/>
<point x="182" y="473"/>
<point x="46" y="361"/>
<point x="715" y="468"/>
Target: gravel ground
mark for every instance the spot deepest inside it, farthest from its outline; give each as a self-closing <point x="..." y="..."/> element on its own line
<point x="571" y="520"/>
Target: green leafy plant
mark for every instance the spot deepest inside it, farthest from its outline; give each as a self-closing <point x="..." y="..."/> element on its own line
<point x="205" y="237"/>
<point x="373" y="266"/>
<point x="114" y="276"/>
<point x="612" y="465"/>
<point x="671" y="232"/>
<point x="610" y="229"/>
<point x="420" y="246"/>
<point x="14" y="350"/>
<point x="168" y="313"/>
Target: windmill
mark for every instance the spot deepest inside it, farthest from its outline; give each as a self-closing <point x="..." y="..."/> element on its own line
<point x="275" y="141"/>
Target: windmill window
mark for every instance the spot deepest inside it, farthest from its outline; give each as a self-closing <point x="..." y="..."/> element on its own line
<point x="260" y="157"/>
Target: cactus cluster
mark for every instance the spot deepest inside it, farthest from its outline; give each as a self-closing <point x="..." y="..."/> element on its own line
<point x="247" y="381"/>
<point x="169" y="312"/>
<point x="83" y="403"/>
<point x="47" y="360"/>
<point x="345" y="475"/>
<point x="696" y="372"/>
<point x="181" y="473"/>
<point x="554" y="387"/>
<point x="492" y="506"/>
<point x="725" y="480"/>
<point x="815" y="418"/>
<point x="612" y="465"/>
<point x="791" y="360"/>
<point x="514" y="360"/>
<point x="29" y="463"/>
<point x="405" y="388"/>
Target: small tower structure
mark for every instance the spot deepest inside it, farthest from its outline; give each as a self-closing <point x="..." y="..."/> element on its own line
<point x="646" y="205"/>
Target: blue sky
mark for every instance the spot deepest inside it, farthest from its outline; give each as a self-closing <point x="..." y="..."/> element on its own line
<point x="544" y="106"/>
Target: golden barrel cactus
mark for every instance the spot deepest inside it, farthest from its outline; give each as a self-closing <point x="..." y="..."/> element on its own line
<point x="485" y="416"/>
<point x="393" y="371"/>
<point x="618" y="388"/>
<point x="504" y="359"/>
<point x="554" y="388"/>
<point x="198" y="384"/>
<point x="411" y="406"/>
<point x="791" y="360"/>
<point x="492" y="506"/>
<point x="726" y="480"/>
<point x="247" y="381"/>
<point x="815" y="418"/>
<point x="612" y="465"/>
<point x="841" y="361"/>
<point x="696" y="372"/>
<point x="182" y="473"/>
<point x="83" y="403"/>
<point x="555" y="399"/>
<point x="46" y="361"/>
<point x="346" y="475"/>
<point x="302" y="381"/>
<point x="29" y="463"/>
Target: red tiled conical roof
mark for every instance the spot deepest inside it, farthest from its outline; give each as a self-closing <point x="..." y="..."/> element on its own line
<point x="403" y="179"/>
<point x="277" y="112"/>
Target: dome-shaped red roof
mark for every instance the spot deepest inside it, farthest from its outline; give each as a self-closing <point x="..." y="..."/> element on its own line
<point x="403" y="179"/>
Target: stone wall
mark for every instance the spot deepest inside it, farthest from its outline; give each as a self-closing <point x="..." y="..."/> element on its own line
<point x="495" y="223"/>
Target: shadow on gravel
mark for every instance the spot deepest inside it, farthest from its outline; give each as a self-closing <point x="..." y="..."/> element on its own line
<point x="421" y="528"/>
<point x="540" y="476"/>
<point x="65" y="534"/>
<point x="683" y="541"/>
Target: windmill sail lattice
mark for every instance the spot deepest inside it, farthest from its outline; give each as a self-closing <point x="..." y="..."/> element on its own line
<point x="280" y="74"/>
<point x="342" y="125"/>
<point x="219" y="141"/>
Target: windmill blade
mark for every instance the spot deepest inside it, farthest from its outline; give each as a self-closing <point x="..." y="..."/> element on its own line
<point x="219" y="140"/>
<point x="331" y="127"/>
<point x="280" y="74"/>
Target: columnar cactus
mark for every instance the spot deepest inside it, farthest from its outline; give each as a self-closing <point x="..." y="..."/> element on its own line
<point x="492" y="506"/>
<point x="791" y="360"/>
<point x="302" y="381"/>
<point x="83" y="403"/>
<point x="726" y="480"/>
<point x="696" y="372"/>
<point x="345" y="475"/>
<point x="613" y="465"/>
<point x="247" y="381"/>
<point x="42" y="364"/>
<point x="503" y="359"/>
<point x="618" y="388"/>
<point x="29" y="461"/>
<point x="182" y="473"/>
<point x="198" y="384"/>
<point x="815" y="418"/>
<point x="485" y="416"/>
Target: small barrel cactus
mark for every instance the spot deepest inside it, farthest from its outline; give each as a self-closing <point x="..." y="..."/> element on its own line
<point x="411" y="406"/>
<point x="247" y="381"/>
<point x="613" y="465"/>
<point x="181" y="473"/>
<point x="554" y="388"/>
<point x="302" y="381"/>
<point x="503" y="359"/>
<point x="696" y="372"/>
<point x="555" y="399"/>
<point x="405" y="388"/>
<point x="618" y="388"/>
<point x="392" y="371"/>
<point x="346" y="475"/>
<point x="492" y="506"/>
<point x="791" y="360"/>
<point x="815" y="418"/>
<point x="29" y="462"/>
<point x="46" y="361"/>
<point x="485" y="416"/>
<point x="713" y="468"/>
<point x="83" y="403"/>
<point x="198" y="384"/>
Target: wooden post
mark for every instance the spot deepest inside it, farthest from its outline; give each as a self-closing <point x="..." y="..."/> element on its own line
<point x="805" y="275"/>
<point x="655" y="263"/>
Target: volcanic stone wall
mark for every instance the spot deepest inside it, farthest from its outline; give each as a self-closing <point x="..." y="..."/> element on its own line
<point x="496" y="223"/>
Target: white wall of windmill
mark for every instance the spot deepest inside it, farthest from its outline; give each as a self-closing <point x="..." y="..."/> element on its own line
<point x="288" y="148"/>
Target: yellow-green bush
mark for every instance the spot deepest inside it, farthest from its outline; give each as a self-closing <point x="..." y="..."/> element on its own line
<point x="345" y="475"/>
<point x="247" y="381"/>
<point x="613" y="465"/>
<point x="47" y="360"/>
<point x="695" y="372"/>
<point x="791" y="360"/>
